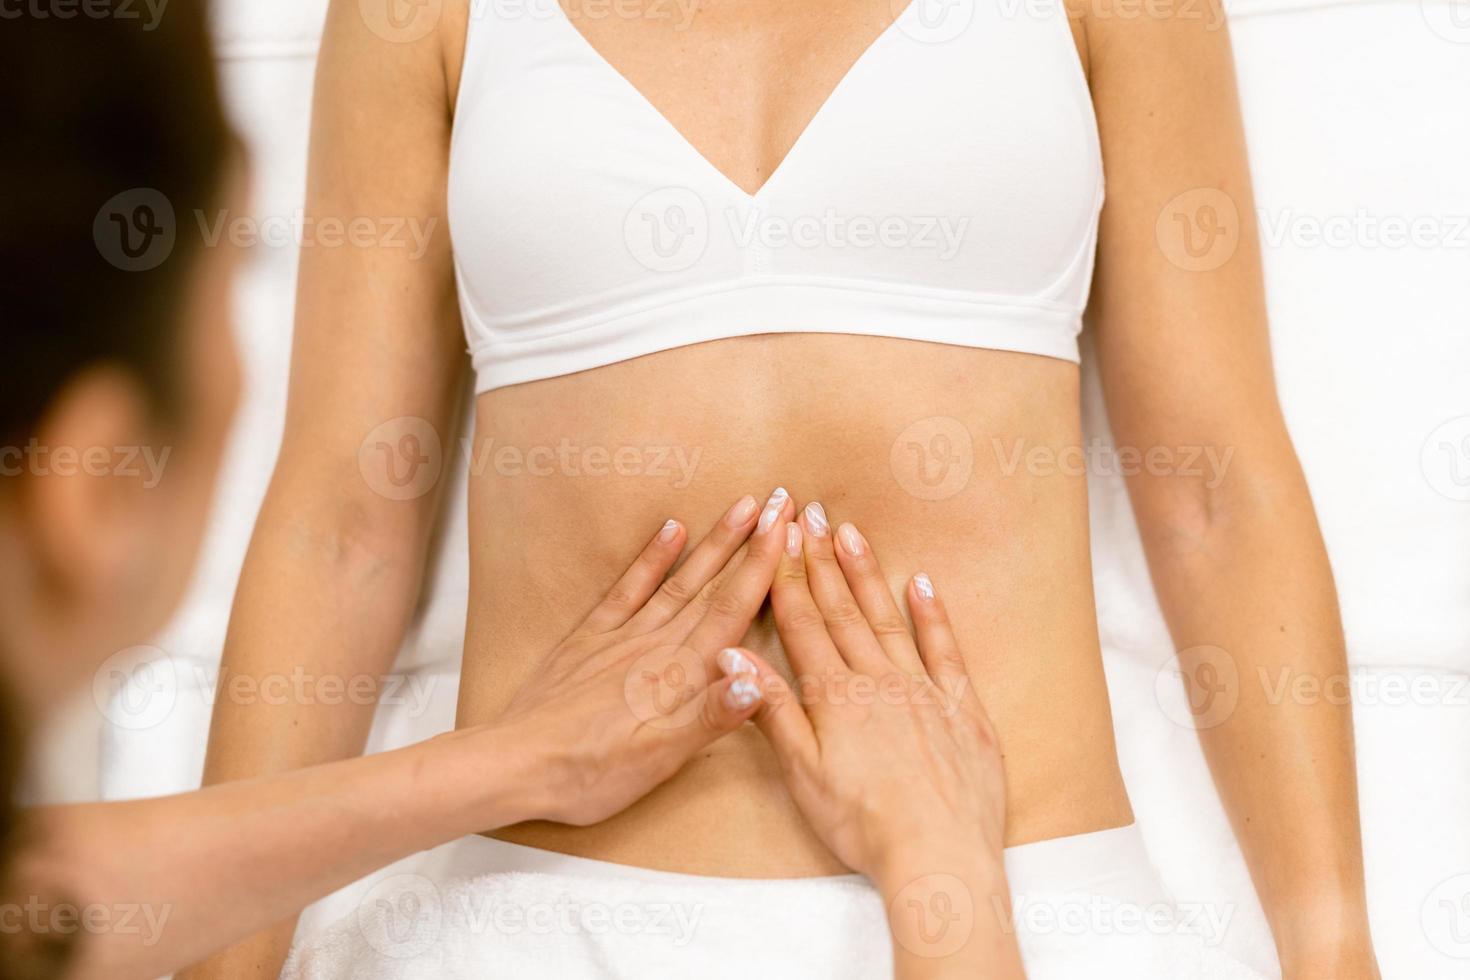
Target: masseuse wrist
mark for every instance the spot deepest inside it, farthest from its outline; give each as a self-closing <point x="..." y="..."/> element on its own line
<point x="481" y="778"/>
<point x="963" y="889"/>
<point x="959" y="856"/>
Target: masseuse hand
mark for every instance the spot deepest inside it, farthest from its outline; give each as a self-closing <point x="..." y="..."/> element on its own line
<point x="887" y="751"/>
<point x="635" y="690"/>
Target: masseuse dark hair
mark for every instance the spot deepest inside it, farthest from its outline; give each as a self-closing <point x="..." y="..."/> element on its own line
<point x="103" y="114"/>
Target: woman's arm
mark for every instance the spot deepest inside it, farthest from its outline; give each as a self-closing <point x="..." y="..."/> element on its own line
<point x="1222" y="505"/>
<point x="336" y="560"/>
<point x="889" y="753"/>
<point x="582" y="741"/>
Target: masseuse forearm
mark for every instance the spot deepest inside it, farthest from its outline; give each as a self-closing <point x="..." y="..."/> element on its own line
<point x="281" y="842"/>
<point x="950" y="916"/>
<point x="1251" y="604"/>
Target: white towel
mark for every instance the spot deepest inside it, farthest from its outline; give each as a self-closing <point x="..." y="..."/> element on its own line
<point x="1089" y="905"/>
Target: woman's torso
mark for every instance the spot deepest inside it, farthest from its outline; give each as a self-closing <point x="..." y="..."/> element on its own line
<point x="950" y="457"/>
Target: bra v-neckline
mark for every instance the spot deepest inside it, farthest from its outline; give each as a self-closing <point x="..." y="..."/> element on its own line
<point x="677" y="134"/>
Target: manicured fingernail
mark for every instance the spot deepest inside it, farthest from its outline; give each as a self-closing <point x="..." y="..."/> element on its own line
<point x="774" y="506"/>
<point x="742" y="694"/>
<point x="923" y="586"/>
<point x="743" y="511"/>
<point x="733" y="662"/>
<point x="852" y="541"/>
<point x="816" y="519"/>
<point x="670" y="528"/>
<point x="793" y="540"/>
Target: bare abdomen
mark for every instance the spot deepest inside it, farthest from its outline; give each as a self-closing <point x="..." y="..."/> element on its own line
<point x="945" y="457"/>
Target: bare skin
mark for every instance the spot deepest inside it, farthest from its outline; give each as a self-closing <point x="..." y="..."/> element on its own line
<point x="1238" y="563"/>
<point x="1016" y="547"/>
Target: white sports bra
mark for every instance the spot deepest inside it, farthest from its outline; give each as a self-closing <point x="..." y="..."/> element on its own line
<point x="948" y="191"/>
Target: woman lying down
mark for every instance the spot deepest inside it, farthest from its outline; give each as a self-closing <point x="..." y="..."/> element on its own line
<point x="93" y="561"/>
<point x="842" y="247"/>
<point x="861" y="826"/>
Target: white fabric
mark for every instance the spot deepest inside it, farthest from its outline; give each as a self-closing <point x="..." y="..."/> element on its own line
<point x="480" y="908"/>
<point x="947" y="191"/>
<point x="1347" y="106"/>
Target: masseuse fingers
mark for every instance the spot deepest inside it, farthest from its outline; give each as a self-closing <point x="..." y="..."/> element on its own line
<point x="865" y="579"/>
<point x="840" y="611"/>
<point x="639" y="582"/>
<point x="699" y="569"/>
<point x="941" y="651"/>
<point x="803" y="631"/>
<point x="687" y="618"/>
<point x="780" y="715"/>
<point x="729" y="608"/>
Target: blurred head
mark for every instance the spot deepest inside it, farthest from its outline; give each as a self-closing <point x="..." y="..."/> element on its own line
<point x="117" y="332"/>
